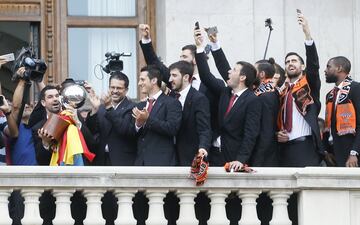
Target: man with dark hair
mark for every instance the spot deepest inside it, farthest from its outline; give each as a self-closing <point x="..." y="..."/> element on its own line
<point x="187" y="54"/>
<point x="343" y="99"/>
<point x="266" y="146"/>
<point x="157" y="122"/>
<point x="194" y="135"/>
<point x="239" y="108"/>
<point x="112" y="121"/>
<point x="299" y="132"/>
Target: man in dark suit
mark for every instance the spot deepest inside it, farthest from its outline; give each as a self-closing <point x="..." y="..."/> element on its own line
<point x="157" y="122"/>
<point x="343" y="112"/>
<point x="187" y="54"/>
<point x="299" y="132"/>
<point x="239" y="108"/>
<point x="117" y="141"/>
<point x="266" y="149"/>
<point x="195" y="132"/>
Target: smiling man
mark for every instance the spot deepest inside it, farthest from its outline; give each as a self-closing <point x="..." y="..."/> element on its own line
<point x="157" y="122"/>
<point x="299" y="133"/>
<point x="112" y="121"/>
<point x="195" y="131"/>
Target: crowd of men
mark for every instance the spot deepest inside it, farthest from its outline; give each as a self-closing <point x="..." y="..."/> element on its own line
<point x="262" y="116"/>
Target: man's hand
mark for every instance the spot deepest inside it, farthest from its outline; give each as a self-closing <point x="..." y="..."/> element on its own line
<point x="2" y="61"/>
<point x="45" y="137"/>
<point x="213" y="38"/>
<point x="94" y="99"/>
<point x="203" y="152"/>
<point x="199" y="39"/>
<point x="20" y="72"/>
<point x="106" y="98"/>
<point x="144" y="31"/>
<point x="140" y="116"/>
<point x="235" y="166"/>
<point x="305" y="26"/>
<point x="282" y="136"/>
<point x="6" y="108"/>
<point x="352" y="161"/>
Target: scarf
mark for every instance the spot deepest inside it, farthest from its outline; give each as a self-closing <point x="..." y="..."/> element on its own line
<point x="301" y="94"/>
<point x="265" y="86"/>
<point x="344" y="110"/>
<point x="72" y="145"/>
<point x="199" y="169"/>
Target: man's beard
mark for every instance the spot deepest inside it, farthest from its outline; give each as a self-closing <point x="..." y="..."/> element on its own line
<point x="330" y="78"/>
<point x="293" y="75"/>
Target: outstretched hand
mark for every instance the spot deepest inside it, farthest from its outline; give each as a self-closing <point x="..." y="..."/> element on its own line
<point x="305" y="25"/>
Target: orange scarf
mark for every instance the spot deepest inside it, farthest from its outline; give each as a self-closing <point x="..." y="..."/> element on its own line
<point x="344" y="110"/>
<point x="265" y="86"/>
<point x="301" y="93"/>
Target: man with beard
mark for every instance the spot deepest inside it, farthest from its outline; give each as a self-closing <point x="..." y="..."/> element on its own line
<point x="187" y="54"/>
<point x="112" y="120"/>
<point x="194" y="135"/>
<point x="299" y="134"/>
<point x="342" y="116"/>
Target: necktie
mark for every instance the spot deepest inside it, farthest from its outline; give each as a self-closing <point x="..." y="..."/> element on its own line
<point x="177" y="95"/>
<point x="231" y="103"/>
<point x="150" y="105"/>
<point x="289" y="110"/>
<point x="333" y="110"/>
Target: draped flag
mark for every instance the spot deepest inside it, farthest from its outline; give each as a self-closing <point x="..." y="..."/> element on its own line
<point x="71" y="147"/>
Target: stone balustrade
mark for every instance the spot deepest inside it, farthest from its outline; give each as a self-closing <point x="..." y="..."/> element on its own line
<point x="328" y="196"/>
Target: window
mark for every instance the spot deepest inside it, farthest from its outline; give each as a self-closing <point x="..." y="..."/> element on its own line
<point x="121" y="8"/>
<point x="87" y="48"/>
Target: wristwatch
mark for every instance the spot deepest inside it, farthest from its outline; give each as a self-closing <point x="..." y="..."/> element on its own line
<point x="354" y="153"/>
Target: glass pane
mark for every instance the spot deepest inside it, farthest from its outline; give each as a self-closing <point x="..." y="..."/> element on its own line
<point x="123" y="8"/>
<point x="87" y="48"/>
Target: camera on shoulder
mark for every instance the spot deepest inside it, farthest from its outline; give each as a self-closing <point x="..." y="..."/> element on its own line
<point x="114" y="61"/>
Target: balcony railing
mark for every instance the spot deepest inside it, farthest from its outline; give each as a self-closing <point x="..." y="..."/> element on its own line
<point x="328" y="196"/>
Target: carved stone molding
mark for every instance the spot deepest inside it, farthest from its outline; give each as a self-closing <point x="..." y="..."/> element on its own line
<point x="24" y="9"/>
<point x="49" y="10"/>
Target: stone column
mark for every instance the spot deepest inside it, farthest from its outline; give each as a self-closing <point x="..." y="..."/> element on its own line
<point x="218" y="212"/>
<point x="125" y="210"/>
<point x="187" y="209"/>
<point x="63" y="210"/>
<point x="248" y="203"/>
<point x="156" y="210"/>
<point x="31" y="209"/>
<point x="94" y="213"/>
<point x="280" y="211"/>
<point x="4" y="210"/>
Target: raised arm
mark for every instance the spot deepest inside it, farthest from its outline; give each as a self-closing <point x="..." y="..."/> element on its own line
<point x="206" y="76"/>
<point x="149" y="53"/>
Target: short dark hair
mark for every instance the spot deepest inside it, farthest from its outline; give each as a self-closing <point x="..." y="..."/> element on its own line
<point x="153" y="72"/>
<point x="294" y="53"/>
<point x="46" y="88"/>
<point x="192" y="49"/>
<point x="266" y="67"/>
<point x="342" y="62"/>
<point x="249" y="71"/>
<point x="183" y="67"/>
<point x="118" y="75"/>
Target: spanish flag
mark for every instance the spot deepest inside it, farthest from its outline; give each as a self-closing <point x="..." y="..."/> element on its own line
<point x="72" y="145"/>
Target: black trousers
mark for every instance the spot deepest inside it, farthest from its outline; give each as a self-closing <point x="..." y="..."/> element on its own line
<point x="299" y="153"/>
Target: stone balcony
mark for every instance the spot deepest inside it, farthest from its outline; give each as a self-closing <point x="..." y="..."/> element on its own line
<point x="328" y="196"/>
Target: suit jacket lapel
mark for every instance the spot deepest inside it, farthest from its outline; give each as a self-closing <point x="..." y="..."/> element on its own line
<point x="238" y="104"/>
<point x="157" y="105"/>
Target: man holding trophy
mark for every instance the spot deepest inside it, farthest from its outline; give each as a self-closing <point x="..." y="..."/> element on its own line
<point x="62" y="142"/>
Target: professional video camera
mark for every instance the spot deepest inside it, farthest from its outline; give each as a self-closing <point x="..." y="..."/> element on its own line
<point x="34" y="68"/>
<point x="114" y="62"/>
